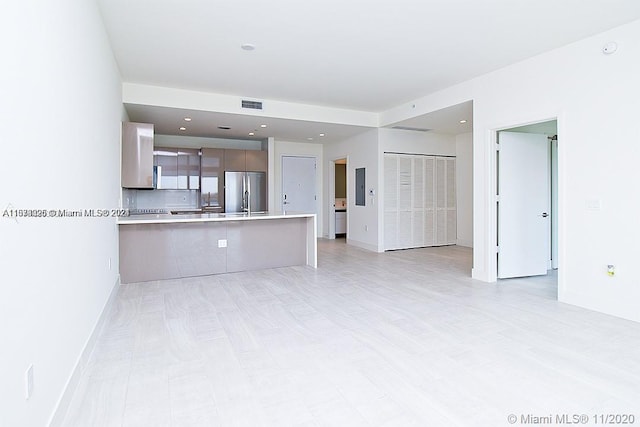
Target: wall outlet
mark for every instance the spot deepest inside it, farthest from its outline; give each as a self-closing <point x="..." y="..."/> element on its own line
<point x="366" y="228"/>
<point x="593" y="205"/>
<point x="28" y="382"/>
<point x="222" y="243"/>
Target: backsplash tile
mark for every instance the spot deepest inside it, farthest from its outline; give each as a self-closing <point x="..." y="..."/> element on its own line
<point x="160" y="199"/>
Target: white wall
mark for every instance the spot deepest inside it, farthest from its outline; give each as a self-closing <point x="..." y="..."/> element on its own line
<point x="412" y="142"/>
<point x="596" y="98"/>
<point x="361" y="152"/>
<point x="60" y="112"/>
<point x="464" y="188"/>
<point x="303" y="149"/>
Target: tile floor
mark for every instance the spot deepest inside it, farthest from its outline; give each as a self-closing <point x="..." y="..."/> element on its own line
<point x="403" y="338"/>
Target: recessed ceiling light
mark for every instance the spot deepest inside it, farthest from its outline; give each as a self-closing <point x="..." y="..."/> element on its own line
<point x="187" y="119"/>
<point x="251" y="133"/>
<point x="322" y="134"/>
<point x="183" y="128"/>
<point x="463" y="122"/>
<point x="263" y="126"/>
<point x="310" y="139"/>
<point x="248" y="46"/>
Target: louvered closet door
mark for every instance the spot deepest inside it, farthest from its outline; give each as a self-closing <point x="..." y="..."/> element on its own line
<point x="419" y="201"/>
<point x="390" y="202"/>
<point x="452" y="213"/>
<point x="441" y="201"/>
<point x="405" y="213"/>
<point x="417" y="212"/>
<point x="429" y="201"/>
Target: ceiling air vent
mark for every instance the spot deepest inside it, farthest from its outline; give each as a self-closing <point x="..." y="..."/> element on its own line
<point x="254" y="105"/>
<point x="410" y="128"/>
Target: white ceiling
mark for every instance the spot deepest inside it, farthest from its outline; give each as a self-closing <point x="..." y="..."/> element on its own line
<point x="447" y="120"/>
<point x="354" y="54"/>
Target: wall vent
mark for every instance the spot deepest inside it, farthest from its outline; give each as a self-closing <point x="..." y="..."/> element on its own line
<point x="254" y="105"/>
<point x="411" y="128"/>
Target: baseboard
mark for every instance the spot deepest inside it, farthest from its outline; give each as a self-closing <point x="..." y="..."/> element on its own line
<point x="65" y="399"/>
<point x="367" y="246"/>
<point x="465" y="243"/>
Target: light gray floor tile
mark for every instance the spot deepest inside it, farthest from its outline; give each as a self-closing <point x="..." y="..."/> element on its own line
<point x="401" y="338"/>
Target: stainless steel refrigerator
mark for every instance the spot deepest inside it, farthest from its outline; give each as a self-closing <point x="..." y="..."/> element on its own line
<point x="245" y="192"/>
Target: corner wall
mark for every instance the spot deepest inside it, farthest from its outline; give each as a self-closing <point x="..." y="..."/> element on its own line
<point x="60" y="112"/>
<point x="464" y="188"/>
<point x="361" y="151"/>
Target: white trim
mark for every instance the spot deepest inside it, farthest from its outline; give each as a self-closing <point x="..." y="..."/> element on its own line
<point x="64" y="402"/>
<point x="362" y="245"/>
<point x="331" y="233"/>
<point x="464" y="242"/>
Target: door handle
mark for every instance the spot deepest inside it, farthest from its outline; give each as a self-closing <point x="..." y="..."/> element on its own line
<point x="544" y="215"/>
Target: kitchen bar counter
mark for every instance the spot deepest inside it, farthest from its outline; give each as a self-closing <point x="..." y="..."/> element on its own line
<point x="207" y="217"/>
<point x="164" y="246"/>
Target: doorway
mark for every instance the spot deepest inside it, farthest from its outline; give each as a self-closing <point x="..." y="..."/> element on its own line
<point x="299" y="184"/>
<point x="527" y="200"/>
<point x="340" y="198"/>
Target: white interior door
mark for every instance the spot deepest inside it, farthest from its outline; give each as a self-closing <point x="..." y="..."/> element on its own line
<point x="523" y="205"/>
<point x="298" y="184"/>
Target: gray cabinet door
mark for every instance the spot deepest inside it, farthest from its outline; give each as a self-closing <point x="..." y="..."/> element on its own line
<point x="256" y="161"/>
<point x="246" y="160"/>
<point x="177" y="168"/>
<point x="166" y="162"/>
<point x="137" y="155"/>
<point x="188" y="169"/>
<point x="212" y="178"/>
<point x="235" y="160"/>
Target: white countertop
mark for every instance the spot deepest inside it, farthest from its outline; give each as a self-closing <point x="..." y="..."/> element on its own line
<point x="207" y="217"/>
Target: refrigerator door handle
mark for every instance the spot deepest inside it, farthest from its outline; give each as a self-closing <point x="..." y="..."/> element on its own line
<point x="248" y="193"/>
<point x="244" y="193"/>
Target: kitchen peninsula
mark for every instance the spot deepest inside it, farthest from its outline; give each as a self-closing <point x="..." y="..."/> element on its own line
<point x="165" y="246"/>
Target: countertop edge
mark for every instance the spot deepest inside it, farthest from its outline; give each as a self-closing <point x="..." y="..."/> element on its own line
<point x="178" y="219"/>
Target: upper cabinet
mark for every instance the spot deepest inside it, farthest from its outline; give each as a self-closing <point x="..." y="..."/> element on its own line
<point x="212" y="175"/>
<point x="234" y="160"/>
<point x="245" y="160"/>
<point x="177" y="168"/>
<point x="188" y="169"/>
<point x="256" y="161"/>
<point x="137" y="155"/>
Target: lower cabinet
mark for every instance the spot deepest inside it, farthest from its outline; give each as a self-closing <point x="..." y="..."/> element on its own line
<point x="341" y="223"/>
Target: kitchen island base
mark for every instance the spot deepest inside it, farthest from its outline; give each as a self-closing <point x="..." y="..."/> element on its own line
<point x="158" y="250"/>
